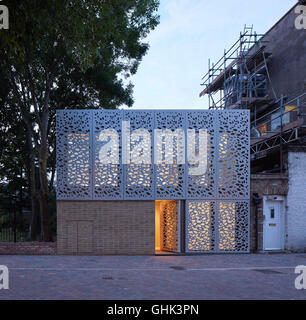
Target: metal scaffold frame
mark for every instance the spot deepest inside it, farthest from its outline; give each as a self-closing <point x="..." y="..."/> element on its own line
<point x="239" y="79"/>
<point x="233" y="81"/>
<point x="282" y="125"/>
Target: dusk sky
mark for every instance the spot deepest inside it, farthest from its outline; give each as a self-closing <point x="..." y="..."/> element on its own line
<point x="190" y="32"/>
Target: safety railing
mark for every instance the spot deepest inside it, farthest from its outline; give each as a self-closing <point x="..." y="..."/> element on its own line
<point x="288" y="115"/>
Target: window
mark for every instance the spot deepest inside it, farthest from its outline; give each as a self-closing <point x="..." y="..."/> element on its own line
<point x="275" y="121"/>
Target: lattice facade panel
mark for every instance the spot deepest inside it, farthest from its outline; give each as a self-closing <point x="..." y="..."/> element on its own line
<point x="152" y="154"/>
<point x="233" y="226"/>
<point x="217" y="226"/>
<point x="73" y="154"/>
<point x="108" y="168"/>
<point x="170" y="177"/>
<point x="233" y="156"/>
<point x="200" y="228"/>
<point x="201" y="173"/>
<point x="138" y="167"/>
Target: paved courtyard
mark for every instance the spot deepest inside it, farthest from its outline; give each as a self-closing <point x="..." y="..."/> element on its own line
<point x="247" y="276"/>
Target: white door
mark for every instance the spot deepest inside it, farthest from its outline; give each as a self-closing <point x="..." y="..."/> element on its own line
<point x="273" y="225"/>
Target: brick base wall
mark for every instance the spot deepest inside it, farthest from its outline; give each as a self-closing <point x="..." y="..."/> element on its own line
<point x="28" y="248"/>
<point x="106" y="227"/>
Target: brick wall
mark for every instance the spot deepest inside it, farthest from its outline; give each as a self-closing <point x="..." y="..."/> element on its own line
<point x="106" y="227"/>
<point x="286" y="43"/>
<point x="264" y="185"/>
<point x="296" y="202"/>
<point x="28" y="248"/>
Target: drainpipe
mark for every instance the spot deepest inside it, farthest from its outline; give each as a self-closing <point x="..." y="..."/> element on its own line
<point x="256" y="201"/>
<point x="281" y="137"/>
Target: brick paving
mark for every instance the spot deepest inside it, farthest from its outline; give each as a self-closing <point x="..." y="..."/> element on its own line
<point x="247" y="276"/>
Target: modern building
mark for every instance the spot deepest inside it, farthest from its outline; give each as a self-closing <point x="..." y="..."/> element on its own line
<point x="152" y="181"/>
<point x="266" y="74"/>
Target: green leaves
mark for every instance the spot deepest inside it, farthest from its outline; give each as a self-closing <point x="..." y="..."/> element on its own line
<point x="81" y="27"/>
<point x="64" y="54"/>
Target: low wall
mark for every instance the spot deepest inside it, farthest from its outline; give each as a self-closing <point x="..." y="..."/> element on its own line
<point x="28" y="248"/>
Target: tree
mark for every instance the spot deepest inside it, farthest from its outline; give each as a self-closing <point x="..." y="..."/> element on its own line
<point x="59" y="54"/>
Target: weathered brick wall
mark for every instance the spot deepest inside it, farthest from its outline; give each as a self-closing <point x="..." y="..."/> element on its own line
<point x="296" y="202"/>
<point x="28" y="248"/>
<point x="286" y="43"/>
<point x="106" y="227"/>
<point x="264" y="185"/>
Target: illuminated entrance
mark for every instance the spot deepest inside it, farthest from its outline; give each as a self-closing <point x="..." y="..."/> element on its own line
<point x="167" y="226"/>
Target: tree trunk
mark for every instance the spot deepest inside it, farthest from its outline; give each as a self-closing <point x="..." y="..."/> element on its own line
<point x="34" y="226"/>
<point x="44" y="198"/>
<point x="53" y="168"/>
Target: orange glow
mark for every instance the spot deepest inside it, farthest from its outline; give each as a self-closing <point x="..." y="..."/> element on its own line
<point x="227" y="226"/>
<point x="166" y="225"/>
<point x="157" y="224"/>
<point x="263" y="129"/>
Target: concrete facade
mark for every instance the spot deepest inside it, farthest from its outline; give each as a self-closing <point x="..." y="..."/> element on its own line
<point x="296" y="201"/>
<point x="106" y="227"/>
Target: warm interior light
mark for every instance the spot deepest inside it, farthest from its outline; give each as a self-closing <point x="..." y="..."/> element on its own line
<point x="166" y="225"/>
<point x="78" y="168"/>
<point x="157" y="225"/>
<point x="201" y="226"/>
<point x="227" y="226"/>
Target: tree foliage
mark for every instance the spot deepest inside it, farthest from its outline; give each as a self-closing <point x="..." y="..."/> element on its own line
<point x="64" y="54"/>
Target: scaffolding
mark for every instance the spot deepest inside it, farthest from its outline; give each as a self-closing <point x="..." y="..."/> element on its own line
<point x="282" y="125"/>
<point x="239" y="78"/>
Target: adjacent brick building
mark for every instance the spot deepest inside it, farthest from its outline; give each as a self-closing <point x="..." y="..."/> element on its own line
<point x="266" y="74"/>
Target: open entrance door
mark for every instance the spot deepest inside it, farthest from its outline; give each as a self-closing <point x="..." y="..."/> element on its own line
<point x="167" y="226"/>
